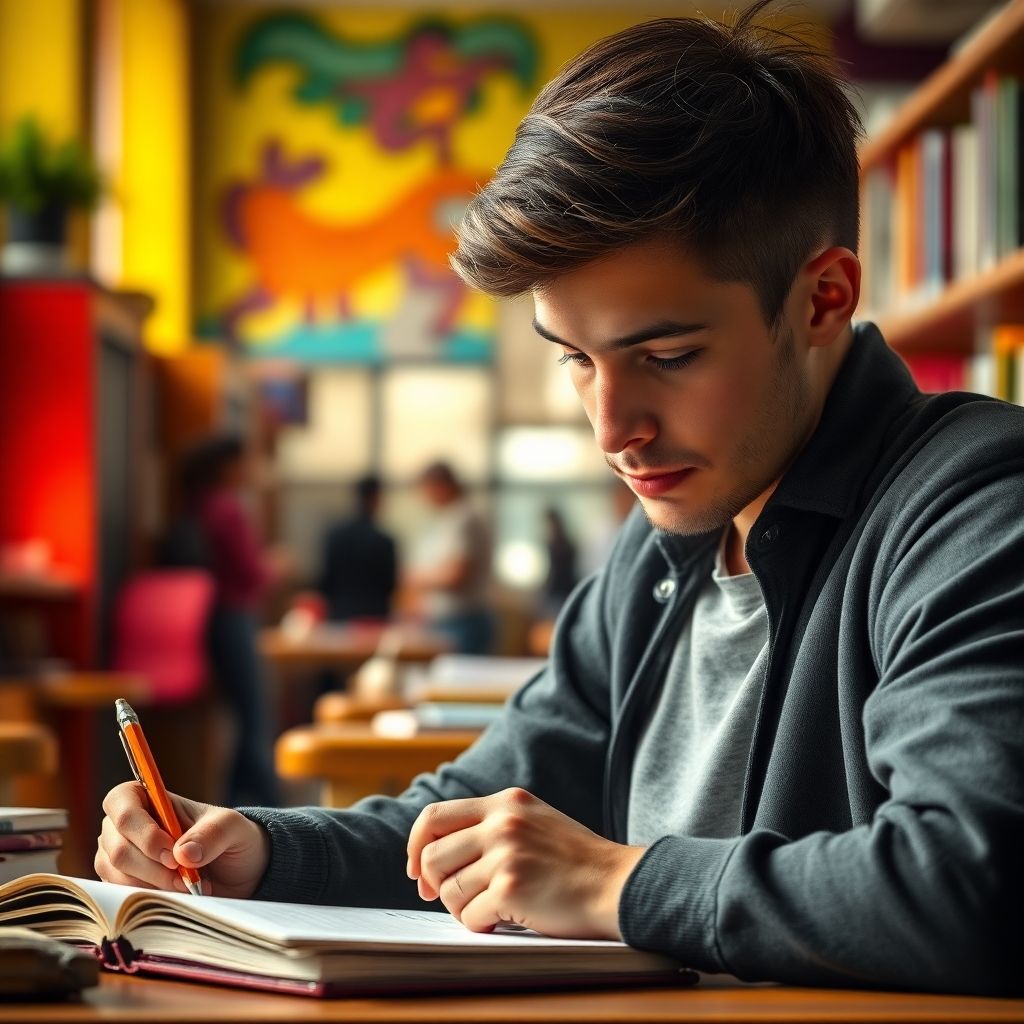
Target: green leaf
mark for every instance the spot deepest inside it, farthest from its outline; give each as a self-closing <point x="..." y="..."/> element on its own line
<point x="35" y="173"/>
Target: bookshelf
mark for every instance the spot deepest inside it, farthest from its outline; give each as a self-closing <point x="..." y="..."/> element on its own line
<point x="948" y="324"/>
<point x="918" y="291"/>
<point x="944" y="97"/>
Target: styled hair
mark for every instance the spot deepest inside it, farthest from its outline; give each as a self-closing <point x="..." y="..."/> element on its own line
<point x="441" y="472"/>
<point x="738" y="142"/>
<point x="203" y="464"/>
<point x="367" y="490"/>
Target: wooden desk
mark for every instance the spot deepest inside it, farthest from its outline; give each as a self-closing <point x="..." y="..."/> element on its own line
<point x="25" y="749"/>
<point x="141" y="1000"/>
<point x="348" y="646"/>
<point x="349" y="707"/>
<point x="353" y="762"/>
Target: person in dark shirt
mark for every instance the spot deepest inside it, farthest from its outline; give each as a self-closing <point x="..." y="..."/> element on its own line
<point x="360" y="565"/>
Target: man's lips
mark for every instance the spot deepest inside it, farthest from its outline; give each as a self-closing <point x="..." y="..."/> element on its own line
<point x="650" y="485"/>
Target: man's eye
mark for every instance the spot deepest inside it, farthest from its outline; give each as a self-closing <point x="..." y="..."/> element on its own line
<point x="573" y="357"/>
<point x="675" y="362"/>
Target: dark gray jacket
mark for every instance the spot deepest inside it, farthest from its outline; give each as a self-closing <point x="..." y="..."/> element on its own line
<point x="882" y="838"/>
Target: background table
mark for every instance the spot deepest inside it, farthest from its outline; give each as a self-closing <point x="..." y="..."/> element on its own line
<point x="354" y="762"/>
<point x="166" y="1002"/>
<point x="348" y="646"/>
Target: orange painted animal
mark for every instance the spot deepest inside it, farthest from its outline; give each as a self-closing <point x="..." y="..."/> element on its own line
<point x="296" y="256"/>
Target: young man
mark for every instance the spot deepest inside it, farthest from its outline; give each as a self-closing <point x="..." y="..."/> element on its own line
<point x="781" y="734"/>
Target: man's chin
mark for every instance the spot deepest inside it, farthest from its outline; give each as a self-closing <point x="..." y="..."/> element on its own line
<point x="669" y="518"/>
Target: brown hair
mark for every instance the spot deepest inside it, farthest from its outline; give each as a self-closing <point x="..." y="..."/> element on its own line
<point x="739" y="142"/>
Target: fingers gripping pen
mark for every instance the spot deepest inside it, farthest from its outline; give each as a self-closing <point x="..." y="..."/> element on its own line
<point x="144" y="766"/>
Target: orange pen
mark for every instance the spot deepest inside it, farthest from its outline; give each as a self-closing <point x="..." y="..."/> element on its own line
<point x="144" y="766"/>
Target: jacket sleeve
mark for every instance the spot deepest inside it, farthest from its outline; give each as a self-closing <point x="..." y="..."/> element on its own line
<point x="358" y="856"/>
<point x="927" y="894"/>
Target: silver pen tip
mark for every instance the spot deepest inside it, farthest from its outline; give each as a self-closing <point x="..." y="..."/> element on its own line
<point x="192" y="887"/>
<point x="124" y="713"/>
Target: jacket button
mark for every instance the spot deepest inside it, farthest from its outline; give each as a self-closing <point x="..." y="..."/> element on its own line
<point x="769" y="535"/>
<point x="664" y="589"/>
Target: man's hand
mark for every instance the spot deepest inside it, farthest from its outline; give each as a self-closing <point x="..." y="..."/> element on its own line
<point x="512" y="857"/>
<point x="133" y="849"/>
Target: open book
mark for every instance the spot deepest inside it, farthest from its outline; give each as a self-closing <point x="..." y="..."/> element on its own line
<point x="312" y="950"/>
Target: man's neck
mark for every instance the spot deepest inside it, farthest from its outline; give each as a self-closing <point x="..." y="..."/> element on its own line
<point x="736" y="542"/>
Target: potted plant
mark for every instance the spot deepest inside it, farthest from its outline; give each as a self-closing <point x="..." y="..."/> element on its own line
<point x="39" y="183"/>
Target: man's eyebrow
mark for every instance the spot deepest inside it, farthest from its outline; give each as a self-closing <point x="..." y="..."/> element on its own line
<point x="661" y="329"/>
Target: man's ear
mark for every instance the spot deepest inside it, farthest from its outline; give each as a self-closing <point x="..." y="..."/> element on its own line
<point x="830" y="292"/>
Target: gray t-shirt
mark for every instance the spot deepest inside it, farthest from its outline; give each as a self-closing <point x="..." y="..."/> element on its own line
<point x="692" y="758"/>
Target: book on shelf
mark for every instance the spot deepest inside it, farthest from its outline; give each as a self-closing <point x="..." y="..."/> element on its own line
<point x="30" y="840"/>
<point x="314" y="950"/>
<point x="994" y="368"/>
<point x="948" y="204"/>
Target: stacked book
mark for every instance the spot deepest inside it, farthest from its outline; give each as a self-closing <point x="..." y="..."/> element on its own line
<point x="30" y="840"/>
<point x="948" y="205"/>
<point x="435" y="716"/>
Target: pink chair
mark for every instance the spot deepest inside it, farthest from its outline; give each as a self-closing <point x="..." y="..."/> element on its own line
<point x="159" y="631"/>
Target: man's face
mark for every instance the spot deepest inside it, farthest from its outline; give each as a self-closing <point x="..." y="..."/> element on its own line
<point x="695" y="402"/>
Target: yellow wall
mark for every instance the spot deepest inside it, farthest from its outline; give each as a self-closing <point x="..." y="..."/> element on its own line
<point x="153" y="184"/>
<point x="41" y="73"/>
<point x="41" y="64"/>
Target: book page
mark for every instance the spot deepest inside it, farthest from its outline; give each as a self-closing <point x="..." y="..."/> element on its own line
<point x="301" y="924"/>
<point x="108" y="896"/>
<point x="74" y="909"/>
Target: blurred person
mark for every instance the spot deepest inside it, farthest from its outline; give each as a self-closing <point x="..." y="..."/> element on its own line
<point x="359" y="564"/>
<point x="215" y="530"/>
<point x="450" y="563"/>
<point x="562" y="574"/>
<point x="601" y="542"/>
<point x="781" y="733"/>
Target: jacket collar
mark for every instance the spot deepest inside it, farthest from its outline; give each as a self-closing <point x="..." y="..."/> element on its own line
<point x="873" y="386"/>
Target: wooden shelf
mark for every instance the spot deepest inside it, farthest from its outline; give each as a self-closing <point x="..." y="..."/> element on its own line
<point x="28" y="587"/>
<point x="945" y="97"/>
<point x="949" y="322"/>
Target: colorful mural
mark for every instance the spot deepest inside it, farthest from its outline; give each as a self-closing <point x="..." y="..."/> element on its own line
<point x="405" y="89"/>
<point x="295" y="255"/>
<point x="335" y="147"/>
<point x="306" y="274"/>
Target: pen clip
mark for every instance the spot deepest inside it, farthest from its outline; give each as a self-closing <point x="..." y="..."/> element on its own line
<point x="131" y="758"/>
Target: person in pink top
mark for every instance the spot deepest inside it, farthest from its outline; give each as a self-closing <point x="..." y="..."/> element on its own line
<point x="216" y="531"/>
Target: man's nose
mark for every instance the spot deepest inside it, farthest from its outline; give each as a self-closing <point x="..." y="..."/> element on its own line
<point x="621" y="416"/>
